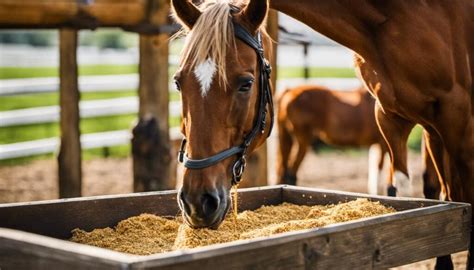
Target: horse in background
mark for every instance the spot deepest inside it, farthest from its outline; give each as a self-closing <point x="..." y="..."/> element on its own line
<point x="340" y="118"/>
<point x="419" y="75"/>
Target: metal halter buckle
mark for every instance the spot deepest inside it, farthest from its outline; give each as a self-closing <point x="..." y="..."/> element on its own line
<point x="238" y="170"/>
<point x="268" y="67"/>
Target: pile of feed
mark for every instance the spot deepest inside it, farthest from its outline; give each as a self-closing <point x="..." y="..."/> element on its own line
<point x="148" y="234"/>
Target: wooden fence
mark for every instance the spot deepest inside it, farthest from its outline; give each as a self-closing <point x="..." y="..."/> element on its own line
<point x="95" y="108"/>
<point x="153" y="160"/>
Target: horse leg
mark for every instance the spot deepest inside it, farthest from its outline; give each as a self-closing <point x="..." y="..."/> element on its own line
<point x="303" y="143"/>
<point x="455" y="125"/>
<point x="431" y="182"/>
<point x="376" y="159"/>
<point x="384" y="148"/>
<point x="286" y="141"/>
<point x="395" y="131"/>
<point x="434" y="176"/>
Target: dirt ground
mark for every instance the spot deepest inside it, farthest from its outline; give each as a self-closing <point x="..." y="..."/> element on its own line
<point x="339" y="170"/>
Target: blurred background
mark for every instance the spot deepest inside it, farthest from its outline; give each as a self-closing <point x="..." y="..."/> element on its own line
<point x="108" y="66"/>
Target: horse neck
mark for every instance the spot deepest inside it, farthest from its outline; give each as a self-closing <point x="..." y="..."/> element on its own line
<point x="346" y="22"/>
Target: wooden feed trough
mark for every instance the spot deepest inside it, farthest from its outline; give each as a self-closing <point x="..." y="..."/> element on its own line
<point x="33" y="234"/>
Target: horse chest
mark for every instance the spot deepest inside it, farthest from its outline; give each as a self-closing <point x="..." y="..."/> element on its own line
<point x="406" y="95"/>
<point x="409" y="67"/>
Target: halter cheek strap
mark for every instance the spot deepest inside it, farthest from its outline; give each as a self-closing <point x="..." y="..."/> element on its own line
<point x="206" y="162"/>
<point x="265" y="98"/>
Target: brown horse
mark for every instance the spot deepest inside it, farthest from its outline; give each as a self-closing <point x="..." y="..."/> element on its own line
<point x="341" y="118"/>
<point x="431" y="186"/>
<point x="417" y="58"/>
<point x="414" y="56"/>
<point x="226" y="101"/>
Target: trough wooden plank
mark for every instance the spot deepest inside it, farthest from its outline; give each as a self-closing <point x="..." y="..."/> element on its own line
<point x="374" y="243"/>
<point x="57" y="218"/>
<point x="21" y="250"/>
<point x="253" y="198"/>
<point x="314" y="196"/>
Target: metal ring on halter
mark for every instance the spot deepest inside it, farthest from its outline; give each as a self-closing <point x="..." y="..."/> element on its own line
<point x="238" y="169"/>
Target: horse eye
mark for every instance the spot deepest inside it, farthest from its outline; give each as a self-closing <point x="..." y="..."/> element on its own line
<point x="246" y="86"/>
<point x="177" y="86"/>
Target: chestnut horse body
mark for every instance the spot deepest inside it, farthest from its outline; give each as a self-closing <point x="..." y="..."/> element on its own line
<point x="417" y="58"/>
<point x="340" y="118"/>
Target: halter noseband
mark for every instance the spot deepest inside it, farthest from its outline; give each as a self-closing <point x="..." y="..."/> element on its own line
<point x="265" y="98"/>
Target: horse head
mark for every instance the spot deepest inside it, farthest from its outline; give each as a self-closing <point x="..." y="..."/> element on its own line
<point x="226" y="98"/>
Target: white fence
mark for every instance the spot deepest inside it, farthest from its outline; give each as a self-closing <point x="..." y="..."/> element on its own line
<point x="88" y="141"/>
<point x="51" y="84"/>
<point x="95" y="108"/>
<point x="88" y="109"/>
<point x="106" y="83"/>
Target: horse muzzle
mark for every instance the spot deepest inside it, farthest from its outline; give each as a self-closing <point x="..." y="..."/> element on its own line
<point x="204" y="209"/>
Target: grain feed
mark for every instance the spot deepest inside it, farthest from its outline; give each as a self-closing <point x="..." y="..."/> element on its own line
<point x="149" y="234"/>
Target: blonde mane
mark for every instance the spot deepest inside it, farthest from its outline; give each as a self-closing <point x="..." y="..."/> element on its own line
<point x="211" y="36"/>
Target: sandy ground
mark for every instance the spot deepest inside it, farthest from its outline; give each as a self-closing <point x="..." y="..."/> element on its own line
<point x="337" y="170"/>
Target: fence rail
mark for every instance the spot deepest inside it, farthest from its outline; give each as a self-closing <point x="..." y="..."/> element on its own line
<point x="95" y="108"/>
<point x="106" y="83"/>
<point x="88" y="109"/>
<point x="51" y="84"/>
<point x="88" y="141"/>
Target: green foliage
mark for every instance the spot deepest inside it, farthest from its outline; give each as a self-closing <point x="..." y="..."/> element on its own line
<point x="111" y="40"/>
<point x="316" y="72"/>
<point x="108" y="39"/>
<point x="100" y="124"/>
<point x="35" y="72"/>
<point x="27" y="72"/>
<point x="39" y="38"/>
<point x="28" y="132"/>
<point x="38" y="72"/>
<point x="48" y="130"/>
<point x="119" y="151"/>
<point x="414" y="140"/>
<point x="25" y="160"/>
<point x="16" y="102"/>
<point x="49" y="99"/>
<point x="87" y="125"/>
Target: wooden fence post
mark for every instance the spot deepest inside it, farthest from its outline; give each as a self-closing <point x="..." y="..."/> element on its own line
<point x="153" y="165"/>
<point x="69" y="158"/>
<point x="256" y="173"/>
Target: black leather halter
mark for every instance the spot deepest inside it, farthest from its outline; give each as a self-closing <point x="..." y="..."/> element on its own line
<point x="265" y="98"/>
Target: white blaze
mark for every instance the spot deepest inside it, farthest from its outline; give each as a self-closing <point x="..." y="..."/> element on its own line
<point x="204" y="73"/>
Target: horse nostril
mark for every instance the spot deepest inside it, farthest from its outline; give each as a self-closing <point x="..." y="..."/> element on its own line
<point x="184" y="204"/>
<point x="210" y="204"/>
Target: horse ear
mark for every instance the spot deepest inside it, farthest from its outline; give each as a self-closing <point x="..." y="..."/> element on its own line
<point x="185" y="12"/>
<point x="255" y="13"/>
